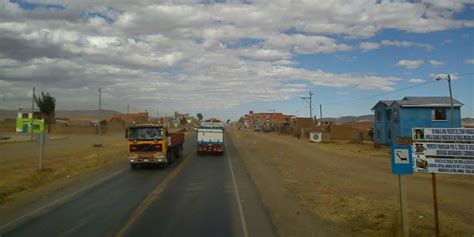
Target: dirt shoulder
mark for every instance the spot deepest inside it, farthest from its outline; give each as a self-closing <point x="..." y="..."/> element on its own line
<point x="347" y="189"/>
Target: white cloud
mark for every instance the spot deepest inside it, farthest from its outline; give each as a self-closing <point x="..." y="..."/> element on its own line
<point x="469" y="61"/>
<point x="265" y="54"/>
<point x="405" y="44"/>
<point x="302" y="44"/>
<point x="416" y="80"/>
<point x="226" y="54"/>
<point x="436" y="63"/>
<point x="410" y="64"/>
<point x="367" y="46"/>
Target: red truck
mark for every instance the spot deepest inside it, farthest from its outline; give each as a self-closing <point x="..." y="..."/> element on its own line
<point x="153" y="144"/>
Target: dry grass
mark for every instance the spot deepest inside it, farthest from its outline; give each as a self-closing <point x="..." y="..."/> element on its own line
<point x="62" y="160"/>
<point x="351" y="186"/>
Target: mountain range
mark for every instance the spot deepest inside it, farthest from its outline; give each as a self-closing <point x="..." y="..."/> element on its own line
<point x="11" y="114"/>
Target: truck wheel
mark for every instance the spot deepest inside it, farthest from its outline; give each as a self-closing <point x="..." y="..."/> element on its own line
<point x="181" y="151"/>
<point x="170" y="158"/>
<point x="177" y="153"/>
<point x="133" y="166"/>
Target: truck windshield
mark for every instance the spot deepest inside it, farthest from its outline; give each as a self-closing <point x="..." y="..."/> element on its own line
<point x="146" y="134"/>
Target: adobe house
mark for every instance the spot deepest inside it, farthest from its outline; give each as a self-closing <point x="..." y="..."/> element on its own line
<point x="395" y="119"/>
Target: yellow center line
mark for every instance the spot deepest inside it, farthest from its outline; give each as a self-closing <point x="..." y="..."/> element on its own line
<point x="138" y="212"/>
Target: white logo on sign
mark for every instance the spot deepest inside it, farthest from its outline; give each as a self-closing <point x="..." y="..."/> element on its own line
<point x="401" y="156"/>
<point x="315" y="136"/>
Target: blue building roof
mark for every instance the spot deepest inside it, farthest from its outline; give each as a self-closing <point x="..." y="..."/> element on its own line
<point x="431" y="101"/>
<point x="418" y="101"/>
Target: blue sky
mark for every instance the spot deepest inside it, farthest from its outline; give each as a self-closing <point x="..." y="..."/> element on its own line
<point x="452" y="47"/>
<point x="228" y="57"/>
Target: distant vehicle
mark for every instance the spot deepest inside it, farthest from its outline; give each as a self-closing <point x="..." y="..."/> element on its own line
<point x="153" y="144"/>
<point x="210" y="139"/>
<point x="257" y="128"/>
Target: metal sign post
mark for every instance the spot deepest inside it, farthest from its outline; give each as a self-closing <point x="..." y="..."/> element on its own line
<point x="435" y="204"/>
<point x="402" y="164"/>
<point x="403" y="204"/>
<point x="41" y="139"/>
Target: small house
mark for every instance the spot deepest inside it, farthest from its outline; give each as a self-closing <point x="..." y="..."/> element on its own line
<point x="28" y="120"/>
<point x="395" y="119"/>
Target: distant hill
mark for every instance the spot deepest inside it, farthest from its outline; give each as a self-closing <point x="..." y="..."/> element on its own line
<point x="66" y="113"/>
<point x="11" y="114"/>
<point x="468" y="121"/>
<point x="350" y="119"/>
<point x="7" y="114"/>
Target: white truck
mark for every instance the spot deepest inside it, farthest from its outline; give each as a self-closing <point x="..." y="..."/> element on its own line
<point x="210" y="139"/>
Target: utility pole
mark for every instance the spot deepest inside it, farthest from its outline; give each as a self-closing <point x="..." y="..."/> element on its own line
<point x="100" y="109"/>
<point x="451" y="99"/>
<point x="128" y="109"/>
<point x="321" y="114"/>
<point x="309" y="99"/>
<point x="433" y="175"/>
<point x="32" y="113"/>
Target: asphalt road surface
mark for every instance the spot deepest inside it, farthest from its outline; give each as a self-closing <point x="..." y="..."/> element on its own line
<point x="196" y="196"/>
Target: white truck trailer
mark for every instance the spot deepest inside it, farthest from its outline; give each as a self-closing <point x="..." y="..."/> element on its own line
<point x="210" y="139"/>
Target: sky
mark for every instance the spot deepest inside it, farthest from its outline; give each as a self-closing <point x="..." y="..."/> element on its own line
<point x="224" y="58"/>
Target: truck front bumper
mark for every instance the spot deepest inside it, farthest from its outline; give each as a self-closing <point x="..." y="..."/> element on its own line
<point x="147" y="160"/>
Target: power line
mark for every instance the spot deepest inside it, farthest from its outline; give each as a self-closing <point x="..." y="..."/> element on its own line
<point x="385" y="93"/>
<point x="467" y="74"/>
<point x="395" y="91"/>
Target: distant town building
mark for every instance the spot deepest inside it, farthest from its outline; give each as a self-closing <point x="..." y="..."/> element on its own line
<point x="395" y="118"/>
<point x="183" y="117"/>
<point x="133" y="117"/>
<point x="253" y="119"/>
<point x="141" y="117"/>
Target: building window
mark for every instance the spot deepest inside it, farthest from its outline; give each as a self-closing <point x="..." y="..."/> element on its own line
<point x="438" y="114"/>
<point x="25" y="115"/>
<point x="396" y="115"/>
<point x="389" y="113"/>
<point x="378" y="116"/>
<point x="389" y="134"/>
<point x="378" y="134"/>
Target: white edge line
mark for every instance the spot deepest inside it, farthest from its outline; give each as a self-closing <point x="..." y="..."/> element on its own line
<point x="61" y="199"/>
<point x="237" y="196"/>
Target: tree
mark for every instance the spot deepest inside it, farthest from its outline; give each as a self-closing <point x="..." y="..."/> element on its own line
<point x="47" y="105"/>
<point x="199" y="116"/>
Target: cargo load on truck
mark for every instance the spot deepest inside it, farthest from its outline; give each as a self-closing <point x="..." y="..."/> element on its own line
<point x="210" y="139"/>
<point x="153" y="144"/>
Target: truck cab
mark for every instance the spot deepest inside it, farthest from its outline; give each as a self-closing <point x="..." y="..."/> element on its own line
<point x="153" y="144"/>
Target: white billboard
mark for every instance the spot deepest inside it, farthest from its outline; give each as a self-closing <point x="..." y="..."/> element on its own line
<point x="429" y="149"/>
<point x="443" y="165"/>
<point x="443" y="134"/>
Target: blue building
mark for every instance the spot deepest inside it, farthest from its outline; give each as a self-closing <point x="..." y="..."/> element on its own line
<point x="395" y="118"/>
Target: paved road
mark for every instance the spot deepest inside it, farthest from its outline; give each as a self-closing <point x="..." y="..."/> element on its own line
<point x="196" y="196"/>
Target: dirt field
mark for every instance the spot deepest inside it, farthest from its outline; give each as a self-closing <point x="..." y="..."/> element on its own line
<point x="63" y="159"/>
<point x="347" y="189"/>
